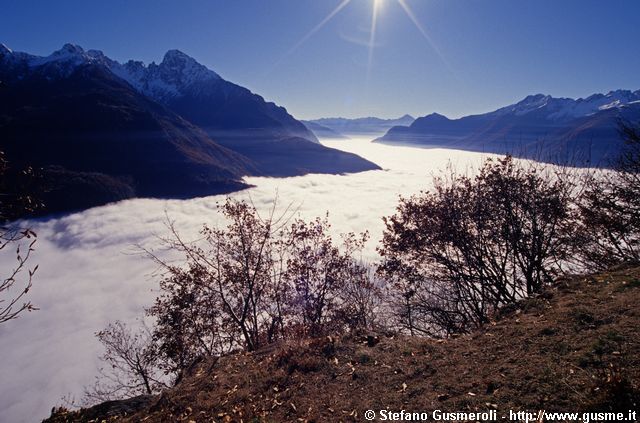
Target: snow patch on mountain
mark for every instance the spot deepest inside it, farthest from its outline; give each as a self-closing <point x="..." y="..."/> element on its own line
<point x="529" y="104"/>
<point x="60" y="63"/>
<point x="4" y="49"/>
<point x="175" y="75"/>
<point x="69" y="53"/>
<point x="562" y="109"/>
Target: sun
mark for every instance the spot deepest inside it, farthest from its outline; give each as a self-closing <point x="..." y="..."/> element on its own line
<point x="377" y="6"/>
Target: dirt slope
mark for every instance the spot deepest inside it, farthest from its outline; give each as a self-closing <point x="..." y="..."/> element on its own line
<point x="574" y="348"/>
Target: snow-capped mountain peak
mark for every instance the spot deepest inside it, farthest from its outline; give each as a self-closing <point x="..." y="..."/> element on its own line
<point x="175" y="75"/>
<point x="527" y="105"/>
<point x="183" y="69"/>
<point x="69" y="49"/>
<point x="69" y="53"/>
<point x="61" y="62"/>
<point x="594" y="104"/>
<point x="560" y="109"/>
<point x="176" y="57"/>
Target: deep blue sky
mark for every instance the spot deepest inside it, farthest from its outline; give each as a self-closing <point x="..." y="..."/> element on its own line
<point x="495" y="52"/>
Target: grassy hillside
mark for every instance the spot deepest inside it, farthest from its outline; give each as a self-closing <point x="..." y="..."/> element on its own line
<point x="575" y="347"/>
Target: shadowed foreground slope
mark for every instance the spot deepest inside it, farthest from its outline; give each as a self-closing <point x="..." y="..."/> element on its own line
<point x="573" y="348"/>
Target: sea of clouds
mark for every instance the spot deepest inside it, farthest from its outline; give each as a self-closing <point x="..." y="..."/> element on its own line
<point x="91" y="271"/>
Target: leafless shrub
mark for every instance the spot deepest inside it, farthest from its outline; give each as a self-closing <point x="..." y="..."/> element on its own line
<point x="12" y="295"/>
<point x="256" y="281"/>
<point x="362" y="299"/>
<point x="15" y="201"/>
<point x="189" y="320"/>
<point x="326" y="283"/>
<point x="131" y="365"/>
<point x="472" y="245"/>
<point x="610" y="210"/>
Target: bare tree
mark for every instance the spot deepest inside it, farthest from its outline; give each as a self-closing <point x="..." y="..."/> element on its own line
<point x="15" y="287"/>
<point x="610" y="209"/>
<point x="629" y="161"/>
<point x="326" y="281"/>
<point x="190" y="322"/>
<point x="456" y="254"/>
<point x="255" y="281"/>
<point x="229" y="276"/>
<point x="361" y="298"/>
<point x="131" y="365"/>
<point x="16" y="201"/>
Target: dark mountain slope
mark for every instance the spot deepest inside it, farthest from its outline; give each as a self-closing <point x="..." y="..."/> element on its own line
<point x="90" y="124"/>
<point x="103" y="131"/>
<point x="237" y="118"/>
<point x="296" y="156"/>
<point x="558" y="130"/>
<point x="593" y="139"/>
<point x="201" y="96"/>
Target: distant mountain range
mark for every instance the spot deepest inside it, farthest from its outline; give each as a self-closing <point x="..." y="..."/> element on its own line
<point x="359" y="126"/>
<point x="322" y="131"/>
<point x="558" y="130"/>
<point x="103" y="131"/>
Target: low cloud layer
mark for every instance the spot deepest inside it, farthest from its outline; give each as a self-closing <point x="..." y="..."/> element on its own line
<point x="91" y="275"/>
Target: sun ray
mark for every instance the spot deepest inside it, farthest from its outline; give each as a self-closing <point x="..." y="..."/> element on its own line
<point x="318" y="27"/>
<point x="372" y="36"/>
<point x="425" y="34"/>
<point x="306" y="37"/>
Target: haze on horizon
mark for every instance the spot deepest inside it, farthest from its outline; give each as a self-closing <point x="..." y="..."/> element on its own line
<point x="454" y="57"/>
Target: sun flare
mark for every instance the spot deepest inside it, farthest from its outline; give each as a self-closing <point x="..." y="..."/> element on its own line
<point x="377" y="6"/>
<point x="372" y="36"/>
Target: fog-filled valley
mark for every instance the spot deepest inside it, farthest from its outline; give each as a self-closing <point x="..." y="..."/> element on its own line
<point x="92" y="272"/>
<point x="319" y="211"/>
